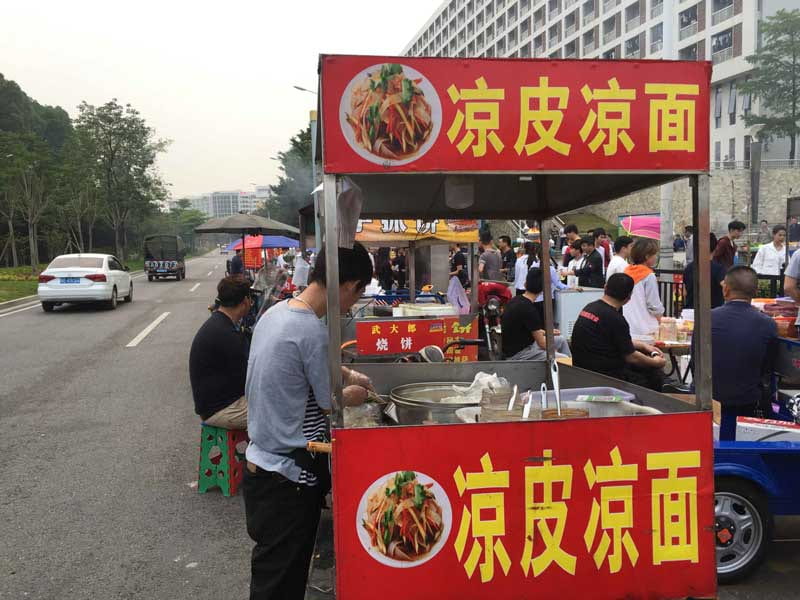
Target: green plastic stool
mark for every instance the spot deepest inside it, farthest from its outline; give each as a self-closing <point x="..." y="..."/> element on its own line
<point x="221" y="459"/>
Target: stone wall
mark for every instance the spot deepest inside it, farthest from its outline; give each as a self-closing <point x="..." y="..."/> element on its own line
<point x="730" y="199"/>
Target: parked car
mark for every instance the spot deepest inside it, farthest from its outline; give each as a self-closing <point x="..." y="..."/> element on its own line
<point x="164" y="257"/>
<point x="84" y="278"/>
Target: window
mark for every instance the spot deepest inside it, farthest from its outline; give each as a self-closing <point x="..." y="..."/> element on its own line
<point x="718" y="107"/>
<point x="656" y="38"/>
<point x="687" y="23"/>
<point x="746" y="103"/>
<point x="747" y="142"/>
<point x="722" y="46"/>
<point x="717" y="151"/>
<point x="113" y="264"/>
<point x="75" y="262"/>
<point x="732" y="149"/>
<point x="732" y="103"/>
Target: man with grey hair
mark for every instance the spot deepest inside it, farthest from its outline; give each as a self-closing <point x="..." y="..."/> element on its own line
<point x="742" y="349"/>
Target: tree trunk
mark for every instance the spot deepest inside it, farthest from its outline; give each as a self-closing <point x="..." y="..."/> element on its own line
<point x="117" y="241"/>
<point x="34" y="250"/>
<point x="91" y="237"/>
<point x="13" y="242"/>
<point x="80" y="236"/>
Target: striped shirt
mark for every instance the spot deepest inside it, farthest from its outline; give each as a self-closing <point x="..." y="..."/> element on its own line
<point x="315" y="429"/>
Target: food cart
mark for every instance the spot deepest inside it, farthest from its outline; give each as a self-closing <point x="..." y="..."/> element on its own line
<point x="605" y="507"/>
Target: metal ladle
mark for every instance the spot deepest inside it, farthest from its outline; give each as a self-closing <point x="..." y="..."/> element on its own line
<point x="556" y="385"/>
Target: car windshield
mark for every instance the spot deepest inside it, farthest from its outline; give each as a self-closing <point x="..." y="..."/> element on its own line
<point x="76" y="262"/>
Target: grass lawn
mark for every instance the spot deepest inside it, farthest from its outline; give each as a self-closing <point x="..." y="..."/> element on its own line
<point x="9" y="290"/>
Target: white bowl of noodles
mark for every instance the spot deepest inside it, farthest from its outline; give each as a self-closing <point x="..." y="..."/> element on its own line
<point x="399" y="552"/>
<point x="390" y="114"/>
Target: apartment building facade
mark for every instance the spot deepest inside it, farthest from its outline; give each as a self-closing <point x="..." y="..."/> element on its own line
<point x="223" y="204"/>
<point x="722" y="31"/>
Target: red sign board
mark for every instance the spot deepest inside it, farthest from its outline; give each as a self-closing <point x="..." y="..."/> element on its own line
<point x="398" y="336"/>
<point x="605" y="508"/>
<point x="449" y="114"/>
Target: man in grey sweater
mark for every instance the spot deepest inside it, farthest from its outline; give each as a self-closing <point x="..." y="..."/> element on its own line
<point x="288" y="391"/>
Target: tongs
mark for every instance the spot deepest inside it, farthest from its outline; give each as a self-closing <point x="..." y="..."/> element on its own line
<point x="526" y="410"/>
<point x="556" y="385"/>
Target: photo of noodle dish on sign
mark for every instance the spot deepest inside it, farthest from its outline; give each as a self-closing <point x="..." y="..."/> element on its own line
<point x="390" y="114"/>
<point x="403" y="519"/>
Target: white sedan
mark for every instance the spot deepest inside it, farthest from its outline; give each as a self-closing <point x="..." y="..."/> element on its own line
<point x="84" y="278"/>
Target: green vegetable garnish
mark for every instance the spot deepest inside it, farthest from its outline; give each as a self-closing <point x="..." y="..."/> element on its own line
<point x="408" y="90"/>
<point x="419" y="496"/>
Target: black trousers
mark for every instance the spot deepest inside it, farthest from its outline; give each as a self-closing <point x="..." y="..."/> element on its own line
<point x="282" y="519"/>
<point x="649" y="378"/>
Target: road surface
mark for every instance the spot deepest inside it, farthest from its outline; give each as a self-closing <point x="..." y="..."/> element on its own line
<point x="100" y="447"/>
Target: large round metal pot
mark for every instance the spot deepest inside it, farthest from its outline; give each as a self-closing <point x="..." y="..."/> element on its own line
<point x="418" y="403"/>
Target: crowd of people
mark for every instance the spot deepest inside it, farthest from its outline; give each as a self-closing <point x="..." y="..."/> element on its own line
<point x="275" y="382"/>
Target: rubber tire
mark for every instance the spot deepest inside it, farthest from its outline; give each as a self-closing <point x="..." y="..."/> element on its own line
<point x="129" y="297"/>
<point x="149" y="278"/>
<point x="741" y="487"/>
<point x="48" y="306"/>
<point x="112" y="304"/>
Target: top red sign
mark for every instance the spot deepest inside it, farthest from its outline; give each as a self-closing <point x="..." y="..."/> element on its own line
<point x="470" y="115"/>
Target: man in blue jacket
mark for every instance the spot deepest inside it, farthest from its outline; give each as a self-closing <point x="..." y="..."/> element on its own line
<point x="743" y="342"/>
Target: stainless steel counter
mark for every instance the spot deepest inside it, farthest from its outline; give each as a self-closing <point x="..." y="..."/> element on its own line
<point x="525" y="374"/>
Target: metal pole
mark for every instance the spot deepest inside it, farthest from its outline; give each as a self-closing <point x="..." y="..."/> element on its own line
<point x="411" y="265"/>
<point x="317" y="223"/>
<point x="473" y="263"/>
<point x="331" y="219"/>
<point x="544" y="263"/>
<point x="702" y="291"/>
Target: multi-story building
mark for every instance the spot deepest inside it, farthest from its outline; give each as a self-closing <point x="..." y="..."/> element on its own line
<point x="722" y="31"/>
<point x="223" y="204"/>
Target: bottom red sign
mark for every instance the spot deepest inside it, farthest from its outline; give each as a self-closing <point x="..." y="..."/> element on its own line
<point x="587" y="508"/>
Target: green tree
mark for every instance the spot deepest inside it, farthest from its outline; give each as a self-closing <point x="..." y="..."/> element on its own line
<point x="294" y="187"/>
<point x="124" y="151"/>
<point x="11" y="156"/>
<point x="775" y="79"/>
<point x="79" y="200"/>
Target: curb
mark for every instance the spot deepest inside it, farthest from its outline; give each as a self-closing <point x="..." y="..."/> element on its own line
<point x="34" y="298"/>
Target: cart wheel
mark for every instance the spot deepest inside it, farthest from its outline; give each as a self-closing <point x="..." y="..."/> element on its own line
<point x="149" y="278"/>
<point x="743" y="528"/>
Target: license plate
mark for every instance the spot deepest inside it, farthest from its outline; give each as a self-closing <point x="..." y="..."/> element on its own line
<point x="162" y="271"/>
<point x="70" y="280"/>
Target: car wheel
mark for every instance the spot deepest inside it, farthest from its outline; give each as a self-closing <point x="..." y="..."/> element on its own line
<point x="112" y="304"/>
<point x="129" y="297"/>
<point x="48" y="306"/>
<point x="149" y="278"/>
<point x="742" y="526"/>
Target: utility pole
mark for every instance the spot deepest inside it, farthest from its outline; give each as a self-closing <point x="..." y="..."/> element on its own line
<point x="317" y="231"/>
<point x="669" y="34"/>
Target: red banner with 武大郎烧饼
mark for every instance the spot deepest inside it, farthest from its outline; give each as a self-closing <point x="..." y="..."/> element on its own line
<point x="401" y="114"/>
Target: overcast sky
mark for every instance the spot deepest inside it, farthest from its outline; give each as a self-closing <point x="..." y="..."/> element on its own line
<point x="214" y="77"/>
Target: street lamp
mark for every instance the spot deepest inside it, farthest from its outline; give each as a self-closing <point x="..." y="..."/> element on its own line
<point x="302" y="89"/>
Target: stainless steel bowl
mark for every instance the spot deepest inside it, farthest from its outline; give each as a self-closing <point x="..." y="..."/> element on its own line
<point x="417" y="403"/>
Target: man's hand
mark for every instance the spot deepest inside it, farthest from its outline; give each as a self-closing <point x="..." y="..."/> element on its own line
<point x="351" y="377"/>
<point x="659" y="361"/>
<point x="354" y="395"/>
<point x="649" y="349"/>
<point x="556" y="332"/>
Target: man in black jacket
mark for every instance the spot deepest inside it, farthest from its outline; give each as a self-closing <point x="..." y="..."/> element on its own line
<point x="591" y="273"/>
<point x="218" y="359"/>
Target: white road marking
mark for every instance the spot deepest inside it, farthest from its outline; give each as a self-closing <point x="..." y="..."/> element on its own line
<point x="19" y="310"/>
<point x="216" y="267"/>
<point x="194" y="287"/>
<point x="144" y="333"/>
<point x="210" y="273"/>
